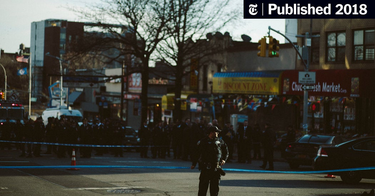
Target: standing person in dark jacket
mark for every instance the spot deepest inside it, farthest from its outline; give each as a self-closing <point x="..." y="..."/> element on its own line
<point x="85" y="137"/>
<point x="186" y="133"/>
<point x="39" y="131"/>
<point x="118" y="135"/>
<point x="29" y="137"/>
<point x="256" y="138"/>
<point x="212" y="153"/>
<point x="72" y="133"/>
<point x="20" y="136"/>
<point x="158" y="139"/>
<point x="244" y="143"/>
<point x="62" y="137"/>
<point x="144" y="136"/>
<point x="177" y="139"/>
<point x="167" y="138"/>
<point x="197" y="133"/>
<point x="269" y="139"/>
<point x="51" y="135"/>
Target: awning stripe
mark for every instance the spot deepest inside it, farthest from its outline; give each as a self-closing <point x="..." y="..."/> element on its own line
<point x="253" y="74"/>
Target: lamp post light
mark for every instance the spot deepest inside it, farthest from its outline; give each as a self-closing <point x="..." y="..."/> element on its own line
<point x="61" y="77"/>
<point x="5" y="82"/>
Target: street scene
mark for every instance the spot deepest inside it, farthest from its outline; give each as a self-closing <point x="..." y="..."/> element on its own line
<point x="202" y="97"/>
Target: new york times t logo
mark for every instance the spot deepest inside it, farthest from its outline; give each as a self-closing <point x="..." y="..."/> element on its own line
<point x="253" y="9"/>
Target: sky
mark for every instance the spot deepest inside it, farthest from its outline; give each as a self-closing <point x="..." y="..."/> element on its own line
<point x="16" y="18"/>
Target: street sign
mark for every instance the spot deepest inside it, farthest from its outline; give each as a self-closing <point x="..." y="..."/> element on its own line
<point x="306" y="87"/>
<point x="305" y="77"/>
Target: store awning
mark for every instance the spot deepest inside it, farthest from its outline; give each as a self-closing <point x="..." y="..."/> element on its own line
<point x="257" y="83"/>
<point x="333" y="83"/>
<point x="167" y="101"/>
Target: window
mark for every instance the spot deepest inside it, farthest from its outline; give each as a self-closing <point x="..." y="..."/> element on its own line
<point x="315" y="49"/>
<point x="364" y="45"/>
<point x="367" y="146"/>
<point x="336" y="43"/>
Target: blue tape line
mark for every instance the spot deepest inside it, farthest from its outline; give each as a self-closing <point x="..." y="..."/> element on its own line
<point x="75" y="145"/>
<point x="170" y="167"/>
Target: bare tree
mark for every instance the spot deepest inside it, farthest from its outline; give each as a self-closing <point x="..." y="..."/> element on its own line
<point x="191" y="21"/>
<point x="138" y="27"/>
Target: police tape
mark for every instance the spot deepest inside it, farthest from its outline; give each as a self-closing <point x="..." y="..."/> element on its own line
<point x="76" y="145"/>
<point x="172" y="167"/>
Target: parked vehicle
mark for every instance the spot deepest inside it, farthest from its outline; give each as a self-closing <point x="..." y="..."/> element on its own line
<point x="355" y="153"/>
<point x="131" y="139"/>
<point x="57" y="113"/>
<point x="305" y="149"/>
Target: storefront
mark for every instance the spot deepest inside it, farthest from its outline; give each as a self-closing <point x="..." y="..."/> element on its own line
<point x="341" y="102"/>
<point x="253" y="96"/>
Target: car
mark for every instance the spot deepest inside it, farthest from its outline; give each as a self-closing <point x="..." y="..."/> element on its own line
<point x="304" y="150"/>
<point x="356" y="153"/>
<point x="131" y="139"/>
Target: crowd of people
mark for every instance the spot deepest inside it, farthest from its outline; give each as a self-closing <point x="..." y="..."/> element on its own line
<point x="157" y="140"/>
<point x="182" y="138"/>
<point x="62" y="135"/>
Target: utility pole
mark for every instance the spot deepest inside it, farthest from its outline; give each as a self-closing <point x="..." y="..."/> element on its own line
<point x="308" y="40"/>
<point x="308" y="36"/>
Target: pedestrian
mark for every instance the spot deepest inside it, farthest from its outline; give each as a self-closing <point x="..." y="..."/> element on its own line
<point x="212" y="153"/>
<point x="20" y="136"/>
<point x="244" y="143"/>
<point x="226" y="135"/>
<point x="144" y="137"/>
<point x="85" y="138"/>
<point x="256" y="140"/>
<point x="62" y="137"/>
<point x="197" y="133"/>
<point x="186" y="133"/>
<point x="51" y="135"/>
<point x="118" y="135"/>
<point x="29" y="137"/>
<point x="39" y="132"/>
<point x="269" y="139"/>
<point x="177" y="139"/>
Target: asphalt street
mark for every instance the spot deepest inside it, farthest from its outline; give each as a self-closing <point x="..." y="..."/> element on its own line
<point x="132" y="175"/>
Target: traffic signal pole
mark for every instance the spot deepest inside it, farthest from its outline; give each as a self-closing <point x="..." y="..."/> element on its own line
<point x="307" y="36"/>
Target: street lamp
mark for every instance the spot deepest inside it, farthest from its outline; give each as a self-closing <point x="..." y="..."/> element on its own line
<point x="61" y="77"/>
<point x="5" y="82"/>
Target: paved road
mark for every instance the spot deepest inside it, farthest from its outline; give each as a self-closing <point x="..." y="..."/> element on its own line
<point x="156" y="181"/>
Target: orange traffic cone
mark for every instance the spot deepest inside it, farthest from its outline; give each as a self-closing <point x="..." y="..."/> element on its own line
<point x="330" y="176"/>
<point x="73" y="162"/>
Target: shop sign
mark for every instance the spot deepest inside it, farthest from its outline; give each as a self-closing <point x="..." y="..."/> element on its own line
<point x="306" y="77"/>
<point x="253" y="85"/>
<point x="167" y="103"/>
<point x="135" y="83"/>
<point x="324" y="87"/>
<point x="340" y="83"/>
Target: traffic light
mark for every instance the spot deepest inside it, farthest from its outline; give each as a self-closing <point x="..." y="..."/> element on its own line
<point x="315" y="107"/>
<point x="2" y="95"/>
<point x="273" y="47"/>
<point x="262" y="47"/>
